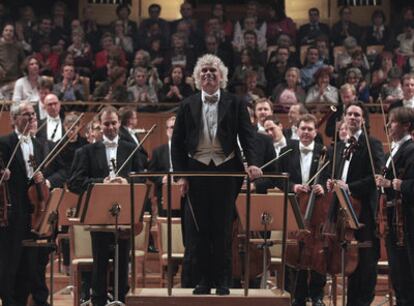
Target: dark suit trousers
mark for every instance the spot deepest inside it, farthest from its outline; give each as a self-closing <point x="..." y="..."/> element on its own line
<point x="102" y="251"/>
<point x="213" y="200"/>
<point x="305" y="284"/>
<point x="361" y="285"/>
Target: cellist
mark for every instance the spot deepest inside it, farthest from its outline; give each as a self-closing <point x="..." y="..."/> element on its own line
<point x="401" y="261"/>
<point x="16" y="266"/>
<point x="302" y="164"/>
<point x="356" y="176"/>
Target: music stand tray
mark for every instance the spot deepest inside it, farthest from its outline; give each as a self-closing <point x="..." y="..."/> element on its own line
<point x="53" y="202"/>
<point x="68" y="207"/>
<point x="345" y="203"/>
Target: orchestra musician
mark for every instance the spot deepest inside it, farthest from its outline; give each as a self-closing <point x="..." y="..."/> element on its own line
<point x="302" y="163"/>
<point x="95" y="166"/>
<point x="355" y="175"/>
<point x="400" y="259"/>
<point x="205" y="139"/>
<point x="274" y="128"/>
<point x="18" y="264"/>
<point x="54" y="127"/>
<point x="407" y="82"/>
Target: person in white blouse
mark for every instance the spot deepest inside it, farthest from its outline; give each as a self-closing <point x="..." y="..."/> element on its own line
<point x="26" y="88"/>
<point x="322" y="91"/>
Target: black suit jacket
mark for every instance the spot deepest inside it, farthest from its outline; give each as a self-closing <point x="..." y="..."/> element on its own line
<point x="126" y="136"/>
<point x="92" y="166"/>
<point x="265" y="153"/>
<point x="290" y="162"/>
<point x="398" y="103"/>
<point x="42" y="134"/>
<point x="307" y="35"/>
<point x="160" y="161"/>
<point x="19" y="182"/>
<point x="360" y="178"/>
<point x="233" y="121"/>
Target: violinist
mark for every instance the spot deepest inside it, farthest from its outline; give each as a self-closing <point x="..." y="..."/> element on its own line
<point x="400" y="259"/>
<point x="274" y="129"/>
<point x="302" y="164"/>
<point x="17" y="266"/>
<point x="54" y="126"/>
<point x="356" y="176"/>
<point x="95" y="165"/>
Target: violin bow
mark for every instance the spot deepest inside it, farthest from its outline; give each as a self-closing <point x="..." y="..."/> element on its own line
<point x="387" y="134"/>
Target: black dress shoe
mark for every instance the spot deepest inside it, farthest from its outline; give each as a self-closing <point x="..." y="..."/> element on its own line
<point x="222" y="290"/>
<point x="318" y="302"/>
<point x="201" y="289"/>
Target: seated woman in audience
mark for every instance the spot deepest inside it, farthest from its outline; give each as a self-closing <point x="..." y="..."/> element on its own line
<point x="157" y="55"/>
<point x="142" y="91"/>
<point x="108" y="46"/>
<point x="378" y="79"/>
<point x="279" y="23"/>
<point x="180" y="54"/>
<point x="391" y="91"/>
<point x="406" y="43"/>
<point x="48" y="59"/>
<point x="289" y="92"/>
<point x="322" y="91"/>
<point x="358" y="60"/>
<point x="82" y="53"/>
<point x="250" y="91"/>
<point x="248" y="63"/>
<point x="113" y="90"/>
<point x="27" y="87"/>
<point x="377" y="33"/>
<point x="354" y="77"/>
<point x="385" y="61"/>
<point x="122" y="40"/>
<point x="175" y="88"/>
<point x="142" y="59"/>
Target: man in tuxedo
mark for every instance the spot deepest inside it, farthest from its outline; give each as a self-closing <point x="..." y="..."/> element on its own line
<point x="53" y="131"/>
<point x="310" y="31"/>
<point x="262" y="108"/>
<point x="97" y="163"/>
<point x="355" y="175"/>
<point x="295" y="112"/>
<point x="274" y="128"/>
<point x="18" y="265"/>
<point x="205" y="139"/>
<point x="302" y="163"/>
<point x="407" y="82"/>
<point x="161" y="161"/>
<point x="401" y="124"/>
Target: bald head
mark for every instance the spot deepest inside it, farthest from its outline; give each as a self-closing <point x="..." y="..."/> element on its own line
<point x="52" y="105"/>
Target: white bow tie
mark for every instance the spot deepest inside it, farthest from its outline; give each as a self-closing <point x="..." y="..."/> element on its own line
<point x="25" y="138"/>
<point x="110" y="144"/>
<point x="57" y="119"/>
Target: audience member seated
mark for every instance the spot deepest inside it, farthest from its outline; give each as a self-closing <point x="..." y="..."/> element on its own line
<point x="142" y="59"/>
<point x="378" y="79"/>
<point x="91" y="29"/>
<point x="157" y="55"/>
<point x="218" y="11"/>
<point x="60" y="22"/>
<point x="377" y="33"/>
<point x="248" y="63"/>
<point x="22" y="39"/>
<point x="309" y="32"/>
<point x="343" y="58"/>
<point x="391" y="91"/>
<point x="214" y="27"/>
<point x="48" y="59"/>
<point x="101" y="58"/>
<point x="322" y="91"/>
<point x="213" y="46"/>
<point x="11" y="55"/>
<point x="180" y="54"/>
<point x="250" y="91"/>
<point x="44" y="32"/>
<point x="81" y="52"/>
<point x="312" y="64"/>
<point x="69" y="89"/>
<point x="130" y="28"/>
<point x="385" y="61"/>
<point x="121" y="40"/>
<point x="26" y="88"/>
<point x="358" y="60"/>
<point x="113" y="89"/>
<point x="345" y="27"/>
<point x="249" y="24"/>
<point x="278" y="23"/>
<point x="27" y="21"/>
<point x="354" y="77"/>
<point x="406" y="43"/>
<point x="189" y="22"/>
<point x="289" y="92"/>
<point x="407" y="83"/>
<point x="407" y="14"/>
<point x="322" y="43"/>
<point x="154" y="13"/>
<point x="142" y="91"/>
<point x="175" y="88"/>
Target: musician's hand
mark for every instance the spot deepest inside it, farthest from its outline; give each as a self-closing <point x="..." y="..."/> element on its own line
<point x="329" y="184"/>
<point x="396" y="184"/>
<point x="183" y="182"/>
<point x="38" y="177"/>
<point x="342" y="184"/>
<point x="381" y="181"/>
<point x="299" y="188"/>
<point x="6" y="173"/>
<point x="48" y="184"/>
<point x="318" y="189"/>
<point x="118" y="180"/>
<point x="254" y="172"/>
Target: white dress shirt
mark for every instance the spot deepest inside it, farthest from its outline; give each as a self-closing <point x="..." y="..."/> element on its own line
<point x="395" y="146"/>
<point x="344" y="175"/>
<point x="279" y="145"/>
<point x="27" y="149"/>
<point x="408" y="103"/>
<point x="132" y="133"/>
<point x="111" y="147"/>
<point x="306" y="153"/>
<point x="54" y="128"/>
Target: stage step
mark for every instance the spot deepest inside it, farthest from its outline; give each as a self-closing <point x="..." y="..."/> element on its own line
<point x="184" y="297"/>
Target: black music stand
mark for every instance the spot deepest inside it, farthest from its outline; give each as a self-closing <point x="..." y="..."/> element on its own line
<point x="266" y="216"/>
<point x="110" y="204"/>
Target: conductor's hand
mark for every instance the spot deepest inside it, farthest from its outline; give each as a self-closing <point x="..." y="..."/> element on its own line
<point x="6" y="173"/>
<point x="183" y="182"/>
<point x="38" y="177"/>
<point x="254" y="172"/>
<point x="299" y="188"/>
<point x="396" y="184"/>
<point x="116" y="180"/>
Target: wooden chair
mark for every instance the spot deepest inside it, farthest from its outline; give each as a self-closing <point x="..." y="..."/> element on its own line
<point x="141" y="247"/>
<point x="276" y="256"/>
<point x="177" y="245"/>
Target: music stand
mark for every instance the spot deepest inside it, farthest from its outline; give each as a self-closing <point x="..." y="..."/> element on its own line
<point x="113" y="203"/>
<point x="266" y="216"/>
<point x="175" y="196"/>
<point x="68" y="208"/>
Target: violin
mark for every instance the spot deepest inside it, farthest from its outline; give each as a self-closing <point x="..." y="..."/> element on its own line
<point x="38" y="194"/>
<point x="4" y="198"/>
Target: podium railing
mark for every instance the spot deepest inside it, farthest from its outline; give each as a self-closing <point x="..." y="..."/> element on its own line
<point x="283" y="176"/>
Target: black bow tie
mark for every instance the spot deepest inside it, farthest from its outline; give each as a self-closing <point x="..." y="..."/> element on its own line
<point x="211" y="99"/>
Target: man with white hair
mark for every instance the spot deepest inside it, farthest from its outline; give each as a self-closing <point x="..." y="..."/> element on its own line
<point x="205" y="139"/>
